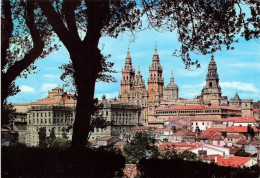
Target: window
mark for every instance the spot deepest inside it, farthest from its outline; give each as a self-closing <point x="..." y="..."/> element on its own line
<point x="41" y="121"/>
<point x="202" y="123"/>
<point x="106" y="112"/>
<point x="210" y="84"/>
<point x="45" y="114"/>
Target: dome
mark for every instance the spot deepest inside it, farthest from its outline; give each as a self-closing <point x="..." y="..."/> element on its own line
<point x="172" y="84"/>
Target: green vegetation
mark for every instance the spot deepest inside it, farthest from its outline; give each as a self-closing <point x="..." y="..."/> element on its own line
<point x="60" y="143"/>
<point x="141" y="147"/>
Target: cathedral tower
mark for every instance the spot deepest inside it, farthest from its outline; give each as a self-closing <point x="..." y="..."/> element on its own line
<point x="127" y="81"/>
<point x="140" y="91"/>
<point x="155" y="79"/>
<point x="211" y="92"/>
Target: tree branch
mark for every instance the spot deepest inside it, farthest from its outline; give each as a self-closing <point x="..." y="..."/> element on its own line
<point x="95" y="10"/>
<point x="57" y="24"/>
<point x="17" y="68"/>
<point x="6" y="31"/>
<point x="68" y="9"/>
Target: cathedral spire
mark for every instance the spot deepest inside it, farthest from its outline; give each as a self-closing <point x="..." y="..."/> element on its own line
<point x="155" y="50"/>
<point x="128" y="59"/>
<point x="172" y="78"/>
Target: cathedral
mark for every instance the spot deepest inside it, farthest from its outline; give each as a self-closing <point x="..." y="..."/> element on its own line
<point x="133" y="89"/>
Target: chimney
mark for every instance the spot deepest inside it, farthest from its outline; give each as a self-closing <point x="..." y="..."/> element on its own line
<point x="216" y="158"/>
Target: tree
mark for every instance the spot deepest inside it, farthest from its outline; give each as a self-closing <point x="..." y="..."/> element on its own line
<point x="187" y="155"/>
<point x="51" y="138"/>
<point x="97" y="18"/>
<point x="202" y="27"/>
<point x="42" y="137"/>
<point x="25" y="37"/>
<point x="250" y="131"/>
<point x="141" y="147"/>
<point x="60" y="143"/>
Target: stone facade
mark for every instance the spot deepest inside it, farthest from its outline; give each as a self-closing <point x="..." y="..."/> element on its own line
<point x="59" y="118"/>
<point x="211" y="93"/>
<point x="124" y="117"/>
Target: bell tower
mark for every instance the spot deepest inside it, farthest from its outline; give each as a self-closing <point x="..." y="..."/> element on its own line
<point x="212" y="91"/>
<point x="127" y="81"/>
<point x="155" y="79"/>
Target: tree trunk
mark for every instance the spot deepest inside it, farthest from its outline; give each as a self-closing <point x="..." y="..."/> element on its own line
<point x="86" y="66"/>
<point x="85" y="56"/>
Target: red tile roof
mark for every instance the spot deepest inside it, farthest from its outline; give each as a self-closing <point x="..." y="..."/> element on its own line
<point x="250" y="119"/>
<point x="243" y="141"/>
<point x="182" y="145"/>
<point x="180" y="133"/>
<point x="4" y="130"/>
<point x="233" y="161"/>
<point x="192" y="107"/>
<point x="208" y="134"/>
<point x="105" y="138"/>
<point x="234" y="136"/>
<point x="236" y="129"/>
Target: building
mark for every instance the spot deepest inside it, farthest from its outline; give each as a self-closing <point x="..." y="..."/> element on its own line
<point x="54" y="112"/>
<point x="50" y="117"/>
<point x="124" y="117"/>
<point x="235" y="161"/>
<point x="159" y="103"/>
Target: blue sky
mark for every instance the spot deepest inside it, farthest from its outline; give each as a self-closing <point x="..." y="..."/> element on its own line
<point x="238" y="69"/>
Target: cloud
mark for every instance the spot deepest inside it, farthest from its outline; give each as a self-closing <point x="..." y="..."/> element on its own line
<point x="25" y="88"/>
<point x="50" y="76"/>
<point x="246" y="65"/>
<point x="248" y="87"/>
<point x="47" y="86"/>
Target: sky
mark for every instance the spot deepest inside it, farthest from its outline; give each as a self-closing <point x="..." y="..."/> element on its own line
<point x="239" y="69"/>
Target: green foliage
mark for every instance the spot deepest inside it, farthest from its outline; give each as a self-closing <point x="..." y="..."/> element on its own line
<point x="141" y="147"/>
<point x="8" y="113"/>
<point x="187" y="155"/>
<point x="250" y="131"/>
<point x="60" y="143"/>
<point x="171" y="153"/>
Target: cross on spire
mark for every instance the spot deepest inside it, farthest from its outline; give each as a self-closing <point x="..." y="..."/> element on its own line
<point x="212" y="56"/>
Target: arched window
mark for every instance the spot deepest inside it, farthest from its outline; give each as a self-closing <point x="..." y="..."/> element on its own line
<point x="210" y="84"/>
